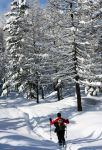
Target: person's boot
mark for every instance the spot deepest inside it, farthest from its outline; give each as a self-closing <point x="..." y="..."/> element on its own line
<point x="60" y="143"/>
<point x="64" y="143"/>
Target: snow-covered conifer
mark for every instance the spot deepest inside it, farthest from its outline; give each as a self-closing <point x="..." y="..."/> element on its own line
<point x="91" y="69"/>
<point x="67" y="58"/>
<point x="35" y="50"/>
<point x="2" y="56"/>
<point x="15" y="30"/>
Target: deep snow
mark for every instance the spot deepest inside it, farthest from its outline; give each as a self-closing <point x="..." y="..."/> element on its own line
<point x="24" y="125"/>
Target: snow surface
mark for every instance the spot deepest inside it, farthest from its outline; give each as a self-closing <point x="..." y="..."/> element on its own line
<point x="24" y="125"/>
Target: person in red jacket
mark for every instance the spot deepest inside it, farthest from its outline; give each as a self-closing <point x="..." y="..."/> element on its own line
<point x="60" y="125"/>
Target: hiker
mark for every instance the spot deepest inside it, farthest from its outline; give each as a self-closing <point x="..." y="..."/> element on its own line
<point x="60" y="126"/>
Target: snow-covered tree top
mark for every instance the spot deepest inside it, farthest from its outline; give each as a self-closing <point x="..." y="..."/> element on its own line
<point x="22" y="2"/>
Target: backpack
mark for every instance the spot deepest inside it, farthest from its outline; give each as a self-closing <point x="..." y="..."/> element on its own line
<point x="60" y="122"/>
<point x="59" y="125"/>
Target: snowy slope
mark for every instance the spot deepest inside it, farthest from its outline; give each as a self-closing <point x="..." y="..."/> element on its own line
<point x="24" y="125"/>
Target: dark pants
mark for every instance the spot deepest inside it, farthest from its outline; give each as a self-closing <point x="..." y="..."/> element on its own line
<point x="60" y="135"/>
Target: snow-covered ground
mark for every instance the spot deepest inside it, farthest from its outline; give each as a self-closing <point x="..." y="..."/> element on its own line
<point x="24" y="125"/>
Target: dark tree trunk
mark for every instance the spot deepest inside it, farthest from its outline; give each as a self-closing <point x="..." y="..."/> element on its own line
<point x="37" y="92"/>
<point x="58" y="94"/>
<point x="7" y="90"/>
<point x="79" y="106"/>
<point x="16" y="87"/>
<point x="42" y="92"/>
<point x="61" y="95"/>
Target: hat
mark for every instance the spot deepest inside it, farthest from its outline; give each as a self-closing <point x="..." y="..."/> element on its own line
<point x="58" y="114"/>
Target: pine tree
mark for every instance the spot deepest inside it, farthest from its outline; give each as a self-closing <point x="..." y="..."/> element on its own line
<point x="91" y="68"/>
<point x="79" y="42"/>
<point x="35" y="50"/>
<point x="2" y="59"/>
<point x="67" y="45"/>
<point x="14" y="45"/>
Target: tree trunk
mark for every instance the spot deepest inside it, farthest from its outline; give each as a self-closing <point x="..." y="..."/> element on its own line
<point x="16" y="87"/>
<point x="7" y="90"/>
<point x="42" y="92"/>
<point x="61" y="95"/>
<point x="37" y="92"/>
<point x="79" y="106"/>
<point x="58" y="94"/>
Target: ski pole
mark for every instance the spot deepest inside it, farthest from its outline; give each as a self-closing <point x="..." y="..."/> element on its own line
<point x="66" y="131"/>
<point x="50" y="133"/>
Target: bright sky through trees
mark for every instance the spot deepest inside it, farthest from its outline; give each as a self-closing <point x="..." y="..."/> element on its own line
<point x="4" y="5"/>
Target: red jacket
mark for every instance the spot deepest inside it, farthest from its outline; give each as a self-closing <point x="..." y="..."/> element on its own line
<point x="56" y="120"/>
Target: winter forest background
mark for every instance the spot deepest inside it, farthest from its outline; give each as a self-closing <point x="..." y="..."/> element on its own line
<point x="55" y="47"/>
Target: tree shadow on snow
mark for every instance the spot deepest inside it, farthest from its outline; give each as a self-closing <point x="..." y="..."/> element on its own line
<point x="92" y="104"/>
<point x="87" y="139"/>
<point x="91" y="148"/>
<point x="26" y="143"/>
<point x="7" y="123"/>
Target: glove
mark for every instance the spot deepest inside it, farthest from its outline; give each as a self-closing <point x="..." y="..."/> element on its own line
<point x="50" y="119"/>
<point x="67" y="120"/>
